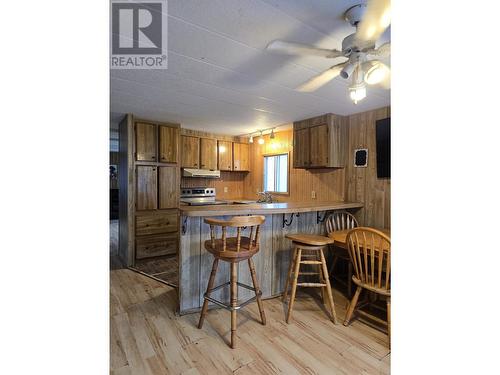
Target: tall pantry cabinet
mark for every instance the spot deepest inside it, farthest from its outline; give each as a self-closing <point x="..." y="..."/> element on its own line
<point x="149" y="179"/>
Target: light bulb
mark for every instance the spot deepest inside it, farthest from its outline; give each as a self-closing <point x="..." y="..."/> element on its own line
<point x="261" y="140"/>
<point x="250" y="140"/>
<point x="357" y="93"/>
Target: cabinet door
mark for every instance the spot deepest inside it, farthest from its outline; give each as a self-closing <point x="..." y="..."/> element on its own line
<point x="208" y="153"/>
<point x="240" y="156"/>
<point x="237" y="156"/>
<point x="146" y="188"/>
<point x="169" y="144"/>
<point x="301" y="144"/>
<point x="168" y="187"/>
<point x="225" y="155"/>
<point x="319" y="146"/>
<point x="190" y="151"/>
<point x="244" y="157"/>
<point x="145" y="142"/>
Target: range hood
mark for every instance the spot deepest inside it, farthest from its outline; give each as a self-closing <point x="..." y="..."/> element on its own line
<point x="205" y="173"/>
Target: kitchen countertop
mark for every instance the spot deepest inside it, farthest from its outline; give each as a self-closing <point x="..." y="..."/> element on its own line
<point x="265" y="208"/>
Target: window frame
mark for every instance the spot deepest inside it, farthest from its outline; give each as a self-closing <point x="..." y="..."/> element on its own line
<point x="287" y="193"/>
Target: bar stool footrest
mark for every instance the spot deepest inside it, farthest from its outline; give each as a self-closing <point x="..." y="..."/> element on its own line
<point x="228" y="306"/>
<point x="311" y="285"/>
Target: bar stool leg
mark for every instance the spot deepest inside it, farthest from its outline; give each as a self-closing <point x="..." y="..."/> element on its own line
<point x="294" y="283"/>
<point x="234" y="300"/>
<point x="322" y="279"/>
<point x="290" y="268"/>
<point x="257" y="290"/>
<point x="328" y="287"/>
<point x="209" y="290"/>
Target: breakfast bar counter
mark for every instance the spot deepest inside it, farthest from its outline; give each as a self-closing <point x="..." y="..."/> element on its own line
<point x="265" y="208"/>
<point x="271" y="262"/>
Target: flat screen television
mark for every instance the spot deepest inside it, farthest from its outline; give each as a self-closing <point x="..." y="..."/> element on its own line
<point x="383" y="138"/>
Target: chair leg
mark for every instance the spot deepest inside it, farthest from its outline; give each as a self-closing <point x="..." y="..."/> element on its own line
<point x="389" y="319"/>
<point x="332" y="267"/>
<point x="290" y="268"/>
<point x="328" y="287"/>
<point x="209" y="291"/>
<point x="349" y="279"/>
<point x="352" y="305"/>
<point x="294" y="283"/>
<point x="234" y="301"/>
<point x="257" y="290"/>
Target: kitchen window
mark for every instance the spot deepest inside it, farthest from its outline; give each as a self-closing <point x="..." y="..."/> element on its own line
<point x="276" y="173"/>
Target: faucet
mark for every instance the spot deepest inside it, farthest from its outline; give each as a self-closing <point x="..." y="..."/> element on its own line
<point x="265" y="197"/>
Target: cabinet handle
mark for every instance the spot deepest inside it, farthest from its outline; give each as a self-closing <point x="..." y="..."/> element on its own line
<point x="228" y="167"/>
<point x="153" y="157"/>
<point x="203" y="165"/>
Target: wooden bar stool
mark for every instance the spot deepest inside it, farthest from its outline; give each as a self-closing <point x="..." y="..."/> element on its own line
<point x="313" y="246"/>
<point x="233" y="250"/>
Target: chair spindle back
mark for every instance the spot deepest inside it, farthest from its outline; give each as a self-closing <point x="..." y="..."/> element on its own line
<point x="370" y="253"/>
<point x="340" y="220"/>
<point x="241" y="223"/>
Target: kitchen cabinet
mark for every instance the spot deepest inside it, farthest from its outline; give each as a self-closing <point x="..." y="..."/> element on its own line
<point x="241" y="156"/>
<point x="208" y="153"/>
<point x="190" y="151"/>
<point x="168" y="185"/>
<point x="146" y="188"/>
<point x="169" y="144"/>
<point x="320" y="142"/>
<point x="145" y="141"/>
<point x="225" y="155"/>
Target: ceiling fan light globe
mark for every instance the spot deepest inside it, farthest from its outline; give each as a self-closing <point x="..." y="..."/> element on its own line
<point x="376" y="73"/>
<point x="347" y="71"/>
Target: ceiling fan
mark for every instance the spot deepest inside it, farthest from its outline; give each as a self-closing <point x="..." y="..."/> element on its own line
<point x="371" y="20"/>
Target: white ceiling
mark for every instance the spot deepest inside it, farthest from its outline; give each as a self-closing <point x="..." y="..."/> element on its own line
<point x="221" y="79"/>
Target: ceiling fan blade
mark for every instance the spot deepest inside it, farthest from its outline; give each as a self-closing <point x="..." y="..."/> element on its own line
<point x="375" y="20"/>
<point x="292" y="48"/>
<point x="383" y="51"/>
<point x="321" y="79"/>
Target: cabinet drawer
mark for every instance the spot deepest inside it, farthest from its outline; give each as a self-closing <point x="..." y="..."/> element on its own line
<point x="164" y="222"/>
<point x="157" y="245"/>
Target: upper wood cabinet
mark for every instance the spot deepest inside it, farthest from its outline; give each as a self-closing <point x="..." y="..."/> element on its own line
<point x="190" y="151"/>
<point x="169" y="144"/>
<point x="320" y="142"/>
<point x="241" y="156"/>
<point x="168" y="186"/>
<point x="225" y="155"/>
<point x="208" y="153"/>
<point x="146" y="188"/>
<point x="145" y="141"/>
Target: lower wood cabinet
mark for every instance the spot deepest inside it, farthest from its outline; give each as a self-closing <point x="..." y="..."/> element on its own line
<point x="157" y="245"/>
<point x="146" y="188"/>
<point x="158" y="222"/>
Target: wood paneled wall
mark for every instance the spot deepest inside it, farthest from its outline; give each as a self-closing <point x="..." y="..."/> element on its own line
<point x="362" y="184"/>
<point x="328" y="184"/>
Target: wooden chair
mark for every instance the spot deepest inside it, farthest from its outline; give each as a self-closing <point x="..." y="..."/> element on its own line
<point x="341" y="220"/>
<point x="370" y="254"/>
<point x="308" y="250"/>
<point x="233" y="250"/>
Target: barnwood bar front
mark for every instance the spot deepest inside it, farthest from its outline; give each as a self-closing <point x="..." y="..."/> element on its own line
<point x="271" y="262"/>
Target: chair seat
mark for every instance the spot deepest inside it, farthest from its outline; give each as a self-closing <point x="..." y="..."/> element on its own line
<point x="230" y="254"/>
<point x="309" y="239"/>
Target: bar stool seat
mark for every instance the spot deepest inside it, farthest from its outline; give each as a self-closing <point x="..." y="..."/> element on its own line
<point x="308" y="250"/>
<point x="233" y="250"/>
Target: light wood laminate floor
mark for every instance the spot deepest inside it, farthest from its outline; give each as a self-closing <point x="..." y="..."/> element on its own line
<point x="147" y="337"/>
